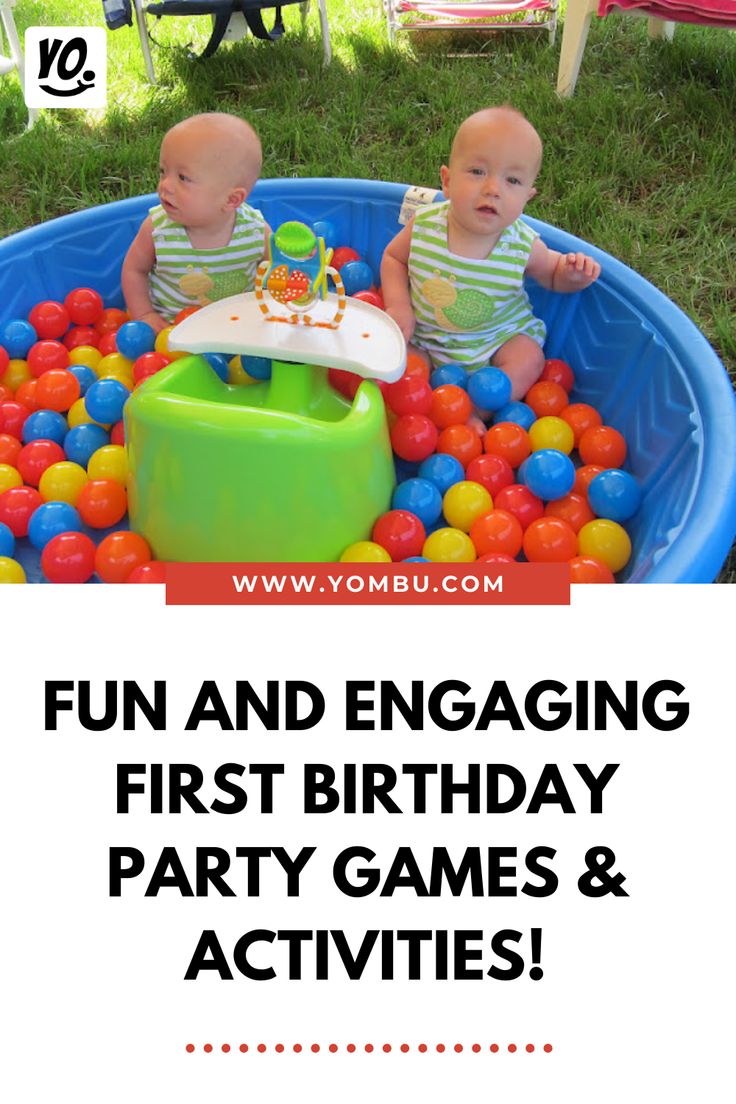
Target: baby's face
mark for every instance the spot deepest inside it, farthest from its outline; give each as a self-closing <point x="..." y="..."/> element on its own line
<point x="193" y="187"/>
<point x="491" y="175"/>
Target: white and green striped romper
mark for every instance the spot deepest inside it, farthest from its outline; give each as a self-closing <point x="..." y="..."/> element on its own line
<point x="184" y="276"/>
<point x="465" y="308"/>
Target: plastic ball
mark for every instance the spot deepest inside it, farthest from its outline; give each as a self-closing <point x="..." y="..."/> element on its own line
<point x="26" y="394"/>
<point x="47" y="424"/>
<point x="373" y="298"/>
<point x="584" y="569"/>
<point x="84" y="306"/>
<point x="580" y="416"/>
<point x="16" y="373"/>
<point x="545" y="397"/>
<point x="551" y="432"/>
<point x="464" y="503"/>
<point x="152" y="572"/>
<point x="5" y="393"/>
<point x="497" y="558"/>
<point x="35" y="457"/>
<point x="356" y="276"/>
<point x="10" y="446"/>
<point x="401" y="533"/>
<point x="572" y="508"/>
<point x="325" y="229"/>
<point x="87" y="355"/>
<point x="347" y="383"/>
<point x="81" y="337"/>
<point x="13" y="416"/>
<point x="109" y="462"/>
<point x="365" y="552"/>
<point x="117" y="433"/>
<point x="550" y="540"/>
<point x="449" y="545"/>
<point x="519" y="501"/>
<point x="184" y="313"/>
<point x="583" y="478"/>
<point x="11" y="571"/>
<point x="460" y="441"/>
<point x="489" y="388"/>
<point x="509" y="440"/>
<point x="84" y="375"/>
<point x="413" y="437"/>
<point x="517" y="412"/>
<point x="417" y="365"/>
<point x="441" y="469"/>
<point x="16" y="507"/>
<point x="7" y="540"/>
<point x="62" y="482"/>
<point x="162" y="345"/>
<point x="50" y="519"/>
<point x="218" y="364"/>
<point x="118" y="554"/>
<point x="106" y="344"/>
<point x="342" y="256"/>
<point x="497" y="532"/>
<point x="421" y="498"/>
<point x="105" y="400"/>
<point x="102" y="503"/>
<point x="45" y="355"/>
<point x="409" y="395"/>
<point x="9" y="477"/>
<point x="57" y="390"/>
<point x="558" y="371"/>
<point x="4" y="360"/>
<point x="116" y="366"/>
<point x="549" y="474"/>
<point x="454" y="374"/>
<point x="111" y="319"/>
<point x="69" y="558"/>
<point x="82" y="441"/>
<point x="606" y="541"/>
<point x="133" y="339"/>
<point x="602" y="445"/>
<point x="16" y="337"/>
<point x="50" y="319"/>
<point x="77" y="415"/>
<point x="449" y="405"/>
<point x="258" y="368"/>
<point x="614" y="494"/>
<point x="148" y="364"/>
<point x="492" y="472"/>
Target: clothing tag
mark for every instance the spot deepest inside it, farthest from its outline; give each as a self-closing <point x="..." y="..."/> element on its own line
<point x="415" y="197"/>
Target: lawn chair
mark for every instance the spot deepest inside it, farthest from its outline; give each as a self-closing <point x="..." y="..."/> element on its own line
<point x="231" y="20"/>
<point x="16" y="60"/>
<point x="661" y="14"/>
<point x="471" y="15"/>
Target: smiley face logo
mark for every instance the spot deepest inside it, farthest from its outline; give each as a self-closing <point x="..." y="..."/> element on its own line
<point x="62" y="62"/>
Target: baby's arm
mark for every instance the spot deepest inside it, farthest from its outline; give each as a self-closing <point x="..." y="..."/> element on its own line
<point x="395" y="282"/>
<point x="137" y="266"/>
<point x="561" y="271"/>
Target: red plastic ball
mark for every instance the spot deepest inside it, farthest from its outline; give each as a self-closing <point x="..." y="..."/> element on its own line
<point x="107" y="343"/>
<point x="45" y="355"/>
<point x="586" y="569"/>
<point x="147" y="364"/>
<point x="413" y="437"/>
<point x="342" y="255"/>
<point x="573" y="509"/>
<point x="602" y="445"/>
<point x="451" y="405"/>
<point x="68" y="558"/>
<point x="401" y="533"/>
<point x="50" y="319"/>
<point x="10" y="447"/>
<point x="118" y="554"/>
<point x="102" y="503"/>
<point x="546" y="398"/>
<point x="12" y="417"/>
<point x="35" y="457"/>
<point x="16" y="506"/>
<point x="495" y="558"/>
<point x="152" y="572"/>
<point x="373" y="298"/>
<point x="111" y="320"/>
<point x="57" y="390"/>
<point x="81" y="335"/>
<point x="460" y="441"/>
<point x="509" y="440"/>
<point x="117" y="433"/>
<point x="347" y="383"/>
<point x="5" y="393"/>
<point x="519" y="501"/>
<point x="550" y="540"/>
<point x="558" y="371"/>
<point x="409" y="395"/>
<point x="84" y="306"/>
<point x="497" y="531"/>
<point x="492" y="472"/>
<point x="4" y="361"/>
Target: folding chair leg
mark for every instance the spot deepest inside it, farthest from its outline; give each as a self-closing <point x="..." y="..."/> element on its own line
<point x="660" y="28"/>
<point x="140" y="18"/>
<point x="16" y="53"/>
<point x="325" y="28"/>
<point x="574" y="37"/>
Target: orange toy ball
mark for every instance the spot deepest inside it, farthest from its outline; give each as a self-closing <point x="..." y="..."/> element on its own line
<point x="550" y="540"/>
<point x="579" y="417"/>
<point x="184" y="313"/>
<point x="26" y="394"/>
<point x="450" y="405"/>
<point x="586" y="569"/>
<point x="509" y="440"/>
<point x="102" y="503"/>
<point x="602" y="445"/>
<point x="154" y="571"/>
<point x="5" y="393"/>
<point x="460" y="441"/>
<point x="10" y="446"/>
<point x="546" y="397"/>
<point x="573" y="509"/>
<point x="118" y="554"/>
<point x="497" y="532"/>
<point x="57" y="390"/>
<point x="111" y="320"/>
<point x="584" y="477"/>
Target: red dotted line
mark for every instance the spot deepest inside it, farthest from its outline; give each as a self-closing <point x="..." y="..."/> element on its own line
<point x="369" y="1048"/>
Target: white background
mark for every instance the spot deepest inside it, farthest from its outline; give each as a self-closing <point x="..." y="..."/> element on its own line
<point x="634" y="989"/>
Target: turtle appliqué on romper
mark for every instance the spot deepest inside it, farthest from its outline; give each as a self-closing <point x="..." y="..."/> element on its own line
<point x="459" y="310"/>
<point x="199" y="283"/>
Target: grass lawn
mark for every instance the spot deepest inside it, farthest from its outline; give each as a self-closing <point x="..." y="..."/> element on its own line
<point x="641" y="161"/>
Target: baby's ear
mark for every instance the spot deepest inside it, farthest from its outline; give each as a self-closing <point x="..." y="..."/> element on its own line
<point x="235" y="198"/>
<point x="532" y="193"/>
<point x="445" y="179"/>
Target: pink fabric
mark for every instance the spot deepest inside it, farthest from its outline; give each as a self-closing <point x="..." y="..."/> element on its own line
<point x="473" y="10"/>
<point x="710" y="13"/>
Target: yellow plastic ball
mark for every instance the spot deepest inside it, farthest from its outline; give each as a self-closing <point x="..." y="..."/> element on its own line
<point x="464" y="502"/>
<point x="87" y="355"/>
<point x="449" y="546"/>
<point x="77" y="415"/>
<point x="9" y="477"/>
<point x="606" y="541"/>
<point x="109" y="462"/>
<point x="11" y="571"/>
<point x="236" y="373"/>
<point x="162" y="345"/>
<point x="551" y="432"/>
<point x="112" y="365"/>
<point x="122" y="376"/>
<point x="16" y="373"/>
<point x="365" y="552"/>
<point x="62" y="482"/>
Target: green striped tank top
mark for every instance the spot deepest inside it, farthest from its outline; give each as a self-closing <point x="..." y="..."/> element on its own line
<point x="184" y="276"/>
<point x="466" y="308"/>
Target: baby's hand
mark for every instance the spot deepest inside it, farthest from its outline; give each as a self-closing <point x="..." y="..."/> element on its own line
<point x="404" y="318"/>
<point x="575" y="271"/>
<point x="155" y="321"/>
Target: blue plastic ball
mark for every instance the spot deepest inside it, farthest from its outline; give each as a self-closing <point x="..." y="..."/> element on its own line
<point x="46" y="424"/>
<point x="489" y="388"/>
<point x="218" y="364"/>
<point x="83" y="440"/>
<point x="51" y="518"/>
<point x="614" y="494"/>
<point x="416" y="559"/>
<point x="449" y="373"/>
<point x="442" y="469"/>
<point x="324" y="229"/>
<point x="257" y="367"/>
<point x="518" y="412"/>
<point x="16" y="337"/>
<point x="548" y="474"/>
<point x="133" y="339"/>
<point x="7" y="540"/>
<point x="419" y="497"/>
<point x="85" y="375"/>
<point x="356" y="276"/>
<point x="105" y="400"/>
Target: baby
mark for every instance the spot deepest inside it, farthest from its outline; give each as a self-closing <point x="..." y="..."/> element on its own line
<point x="453" y="278"/>
<point x="202" y="242"/>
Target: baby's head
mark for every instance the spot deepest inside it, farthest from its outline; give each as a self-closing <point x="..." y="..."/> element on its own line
<point x="208" y="165"/>
<point x="494" y="162"/>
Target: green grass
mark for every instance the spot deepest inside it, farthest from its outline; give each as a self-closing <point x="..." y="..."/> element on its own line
<point x="640" y="161"/>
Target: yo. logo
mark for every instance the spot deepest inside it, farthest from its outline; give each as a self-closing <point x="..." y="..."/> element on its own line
<point x="66" y="67"/>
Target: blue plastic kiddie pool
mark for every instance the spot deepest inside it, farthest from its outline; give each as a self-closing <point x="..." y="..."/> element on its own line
<point x="636" y="356"/>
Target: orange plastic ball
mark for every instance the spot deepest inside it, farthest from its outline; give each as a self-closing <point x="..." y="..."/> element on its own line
<point x="184" y="313"/>
<point x="497" y="532"/>
<point x="57" y="390"/>
<point x="450" y="406"/>
<point x="152" y="572"/>
<point x="585" y="569"/>
<point x="102" y="503"/>
<point x="111" y="320"/>
<point x="550" y="540"/>
<point x="584" y="477"/>
<point x="602" y="445"/>
<point x="417" y="365"/>
<point x="118" y="554"/>
<point x="573" y="509"/>
<point x="579" y="417"/>
<point x="546" y="398"/>
<point x="26" y="394"/>
<point x="460" y="441"/>
<point x="509" y="440"/>
<point x="10" y="446"/>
